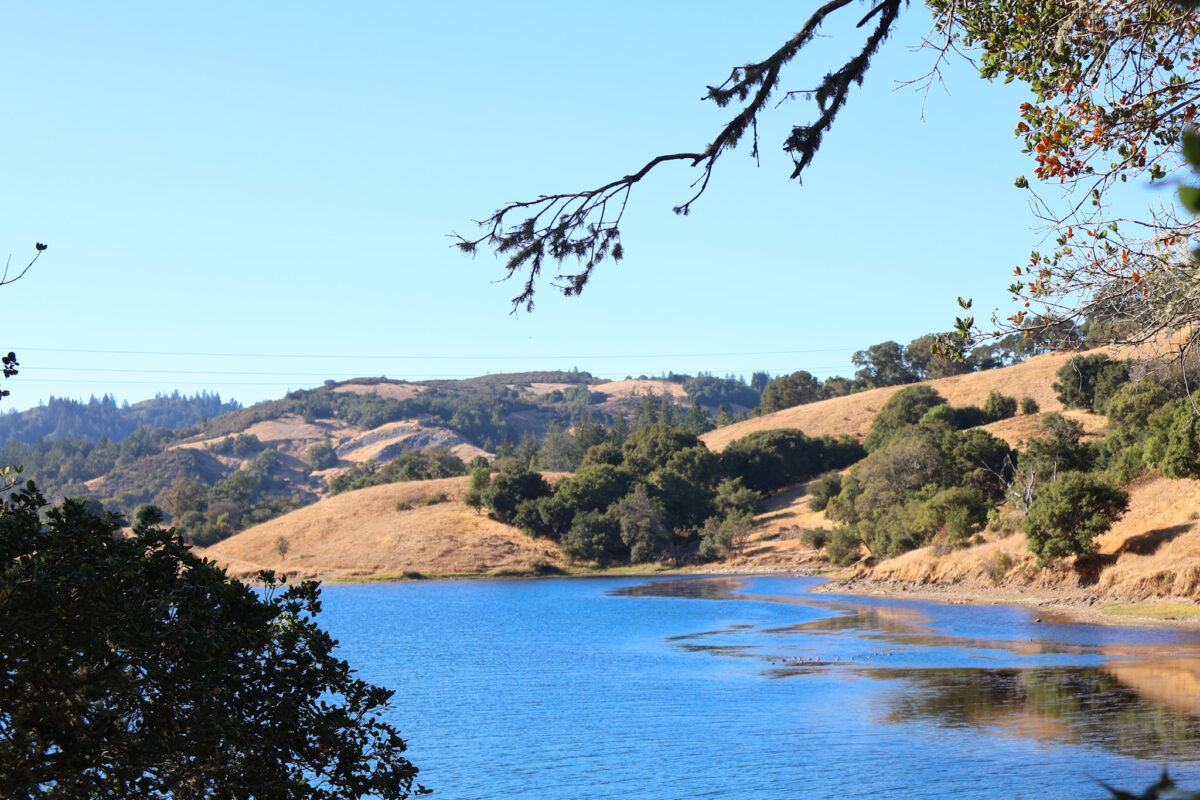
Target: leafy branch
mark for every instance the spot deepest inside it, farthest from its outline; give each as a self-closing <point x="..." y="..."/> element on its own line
<point x="585" y="224"/>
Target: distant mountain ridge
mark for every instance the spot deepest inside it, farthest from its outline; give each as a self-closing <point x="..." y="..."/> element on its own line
<point x="103" y="418"/>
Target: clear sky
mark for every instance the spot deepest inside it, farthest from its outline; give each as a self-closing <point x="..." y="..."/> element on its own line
<point x="252" y="197"/>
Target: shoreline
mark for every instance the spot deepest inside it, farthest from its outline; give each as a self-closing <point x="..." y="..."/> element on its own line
<point x="1050" y="606"/>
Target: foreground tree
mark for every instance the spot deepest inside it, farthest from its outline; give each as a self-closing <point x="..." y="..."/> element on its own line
<point x="132" y="668"/>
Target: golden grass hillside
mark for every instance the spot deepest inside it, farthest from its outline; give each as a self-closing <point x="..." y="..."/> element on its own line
<point x="853" y="413"/>
<point x="383" y="530"/>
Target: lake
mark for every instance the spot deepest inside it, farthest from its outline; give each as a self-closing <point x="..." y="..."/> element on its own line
<point x="755" y="688"/>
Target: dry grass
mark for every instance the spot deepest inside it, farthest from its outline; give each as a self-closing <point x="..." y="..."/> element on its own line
<point x="362" y="533"/>
<point x="853" y="414"/>
<point x="396" y="391"/>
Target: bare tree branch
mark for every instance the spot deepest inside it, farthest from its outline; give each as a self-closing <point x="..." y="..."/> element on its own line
<point x="586" y="224"/>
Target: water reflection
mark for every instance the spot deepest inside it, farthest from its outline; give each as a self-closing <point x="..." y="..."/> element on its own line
<point x="1087" y="705"/>
<point x="1133" y="692"/>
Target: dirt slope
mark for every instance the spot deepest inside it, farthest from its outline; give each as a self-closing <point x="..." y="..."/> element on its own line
<point x="369" y="531"/>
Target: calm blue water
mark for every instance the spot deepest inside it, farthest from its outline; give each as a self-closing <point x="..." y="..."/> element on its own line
<point x="752" y="688"/>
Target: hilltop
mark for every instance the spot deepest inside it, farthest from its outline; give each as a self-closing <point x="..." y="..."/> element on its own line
<point x="1153" y="552"/>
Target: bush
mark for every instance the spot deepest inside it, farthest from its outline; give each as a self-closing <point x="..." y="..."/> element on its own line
<point x="999" y="406"/>
<point x="769" y="460"/>
<point x="1029" y="405"/>
<point x="904" y="408"/>
<point x="816" y="538"/>
<point x="1090" y="382"/>
<point x="594" y="536"/>
<point x="510" y="486"/>
<point x="322" y="456"/>
<point x="1182" y="458"/>
<point x="823" y="489"/>
<point x="723" y="537"/>
<point x="844" y="546"/>
<point x="1067" y="515"/>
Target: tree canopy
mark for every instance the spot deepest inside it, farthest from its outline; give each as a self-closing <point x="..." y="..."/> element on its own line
<point x="132" y="668"/>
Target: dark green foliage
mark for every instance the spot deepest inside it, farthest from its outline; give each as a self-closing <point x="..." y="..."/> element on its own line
<point x="322" y="456"/>
<point x="711" y="392"/>
<point x="653" y="447"/>
<point x="952" y="513"/>
<point x="957" y="418"/>
<point x="644" y="528"/>
<point x="595" y="487"/>
<point x="1112" y="377"/>
<point x="1090" y="381"/>
<point x="512" y="485"/>
<point x="883" y="364"/>
<point x="790" y="390"/>
<point x="603" y="453"/>
<point x="999" y="406"/>
<point x="841" y="452"/>
<point x="134" y="669"/>
<point x="1029" y="405"/>
<point x="697" y="464"/>
<point x="696" y="421"/>
<point x="1182" y="458"/>
<point x="816" y="538"/>
<point x="1068" y="514"/>
<point x="979" y="460"/>
<point x="721" y="538"/>
<point x="594" y="536"/>
<point x="102" y="419"/>
<point x="416" y="465"/>
<point x="560" y="450"/>
<point x="905" y="407"/>
<point x="1129" y="412"/>
<point x="769" y="460"/>
<point x="481" y="476"/>
<point x="822" y="489"/>
<point x="1060" y="450"/>
<point x="844" y="546"/>
<point x="685" y="504"/>
<point x="146" y="516"/>
<point x="243" y="445"/>
<point x="735" y="499"/>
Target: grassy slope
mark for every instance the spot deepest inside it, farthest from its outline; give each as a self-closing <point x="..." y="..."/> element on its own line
<point x="1153" y="552"/>
<point x="363" y="533"/>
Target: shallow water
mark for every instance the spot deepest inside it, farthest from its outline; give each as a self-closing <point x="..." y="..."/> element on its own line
<point x="753" y="688"/>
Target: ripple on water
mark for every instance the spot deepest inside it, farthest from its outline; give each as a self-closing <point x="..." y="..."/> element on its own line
<point x="751" y="688"/>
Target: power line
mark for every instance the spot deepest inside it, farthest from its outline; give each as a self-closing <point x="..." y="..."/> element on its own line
<point x="427" y="357"/>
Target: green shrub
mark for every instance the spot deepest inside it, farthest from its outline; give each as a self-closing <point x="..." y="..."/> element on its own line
<point x="843" y="546"/>
<point x="824" y="488"/>
<point x="322" y="456"/>
<point x="904" y="408"/>
<point x="816" y="538"/>
<point x="1029" y="406"/>
<point x="1068" y="514"/>
<point x="999" y="406"/>
<point x="1182" y="457"/>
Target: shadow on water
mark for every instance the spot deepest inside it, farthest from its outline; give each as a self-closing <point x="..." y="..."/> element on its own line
<point x="1133" y="693"/>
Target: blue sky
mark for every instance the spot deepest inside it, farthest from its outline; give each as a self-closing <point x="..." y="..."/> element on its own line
<point x="252" y="197"/>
